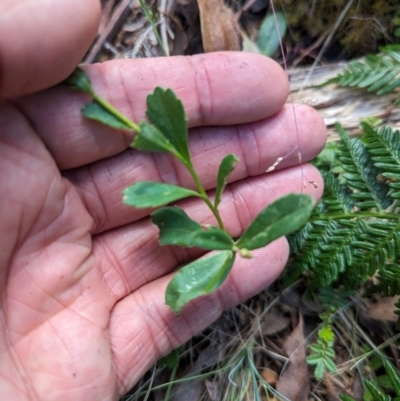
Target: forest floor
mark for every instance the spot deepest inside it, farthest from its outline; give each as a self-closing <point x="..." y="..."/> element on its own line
<point x="257" y="350"/>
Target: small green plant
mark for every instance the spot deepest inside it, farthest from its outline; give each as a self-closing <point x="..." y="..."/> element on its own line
<point x="322" y="350"/>
<point x="374" y="393"/>
<point x="379" y="73"/>
<point x="168" y="133"/>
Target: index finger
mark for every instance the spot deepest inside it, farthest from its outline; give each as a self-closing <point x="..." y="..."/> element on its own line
<point x="216" y="89"/>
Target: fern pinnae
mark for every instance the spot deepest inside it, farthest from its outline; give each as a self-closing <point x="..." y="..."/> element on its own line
<point x="375" y="73"/>
<point x="354" y="232"/>
<point x="384" y="146"/>
<point x="360" y="173"/>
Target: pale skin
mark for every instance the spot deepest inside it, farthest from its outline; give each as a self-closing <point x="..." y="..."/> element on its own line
<point x="82" y="277"/>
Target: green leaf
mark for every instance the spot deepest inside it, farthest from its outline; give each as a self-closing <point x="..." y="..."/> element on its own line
<point x="330" y="365"/>
<point x="345" y="397"/>
<point x="226" y="167"/>
<point x="314" y="359"/>
<point x="171" y="360"/>
<point x="200" y="277"/>
<point x="212" y="239"/>
<point x="319" y="370"/>
<point x="269" y="37"/>
<point x="375" y="391"/>
<point x="166" y="112"/>
<point x="97" y="112"/>
<point x="394" y="377"/>
<point x="78" y="80"/>
<point x="280" y="218"/>
<point x="177" y="228"/>
<point x="151" y="139"/>
<point x="154" y="194"/>
<point x="326" y="334"/>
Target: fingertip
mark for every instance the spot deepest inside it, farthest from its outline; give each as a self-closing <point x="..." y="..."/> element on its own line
<point x="41" y="42"/>
<point x="254" y="81"/>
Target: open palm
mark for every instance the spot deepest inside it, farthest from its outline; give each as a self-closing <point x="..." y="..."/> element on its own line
<point x="82" y="277"/>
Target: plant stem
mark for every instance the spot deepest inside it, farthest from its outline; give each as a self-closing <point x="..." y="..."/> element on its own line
<point x="116" y="113"/>
<point x="204" y="195"/>
<point x="170" y="384"/>
<point x="147" y="12"/>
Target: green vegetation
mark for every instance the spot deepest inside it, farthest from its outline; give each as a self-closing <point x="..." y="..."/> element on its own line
<point x="378" y="73"/>
<point x="360" y="32"/>
<point x="167" y="132"/>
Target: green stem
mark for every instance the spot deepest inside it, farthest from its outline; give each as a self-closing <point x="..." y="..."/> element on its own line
<point x="362" y="214"/>
<point x="153" y="25"/>
<point x="204" y="195"/>
<point x="170" y="384"/>
<point x="115" y="112"/>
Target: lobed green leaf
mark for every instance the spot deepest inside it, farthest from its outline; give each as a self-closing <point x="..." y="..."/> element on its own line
<point x="166" y="112"/>
<point x="226" y="167"/>
<point x="280" y="218"/>
<point x="154" y="194"/>
<point x="198" y="278"/>
<point x="95" y="111"/>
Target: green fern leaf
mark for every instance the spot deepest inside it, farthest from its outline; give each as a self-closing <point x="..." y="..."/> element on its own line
<point x="375" y="391"/>
<point x="354" y="232"/>
<point x="360" y="173"/>
<point x="376" y="73"/>
<point x="394" y="377"/>
<point x="345" y="397"/>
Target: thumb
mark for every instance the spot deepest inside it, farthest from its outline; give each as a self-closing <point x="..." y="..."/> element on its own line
<point x="41" y="41"/>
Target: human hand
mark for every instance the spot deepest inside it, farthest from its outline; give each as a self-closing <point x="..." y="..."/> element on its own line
<point x="82" y="277"/>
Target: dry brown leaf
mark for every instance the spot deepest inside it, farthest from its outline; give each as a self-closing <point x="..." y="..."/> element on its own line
<point x="219" y="29"/>
<point x="192" y="390"/>
<point x="294" y="383"/>
<point x="270" y="376"/>
<point x="212" y="390"/>
<point x="333" y="391"/>
<point x="274" y="323"/>
<point x="383" y="309"/>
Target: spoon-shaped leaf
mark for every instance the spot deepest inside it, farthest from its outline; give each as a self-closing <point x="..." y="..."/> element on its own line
<point x="154" y="194"/>
<point x="151" y="139"/>
<point x="200" y="277"/>
<point x="279" y="218"/>
<point x="226" y="167"/>
<point x="95" y="111"/>
<point x="166" y="112"/>
<point x="213" y="238"/>
<point x="79" y="80"/>
<point x="177" y="228"/>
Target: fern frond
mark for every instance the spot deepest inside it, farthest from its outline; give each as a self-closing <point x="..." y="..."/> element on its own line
<point x="394" y="377"/>
<point x="376" y="392"/>
<point x="361" y="174"/>
<point x="376" y="73"/>
<point x="354" y="233"/>
<point x="384" y="147"/>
